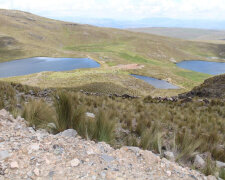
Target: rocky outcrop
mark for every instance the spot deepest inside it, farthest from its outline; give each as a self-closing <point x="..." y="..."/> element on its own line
<point x="29" y="154"/>
<point x="211" y="88"/>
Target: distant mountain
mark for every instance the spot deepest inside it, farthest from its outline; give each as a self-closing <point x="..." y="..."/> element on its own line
<point x="184" y="33"/>
<point x="149" y="22"/>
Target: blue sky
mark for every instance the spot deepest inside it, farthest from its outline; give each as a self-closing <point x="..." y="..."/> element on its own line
<point x="122" y="9"/>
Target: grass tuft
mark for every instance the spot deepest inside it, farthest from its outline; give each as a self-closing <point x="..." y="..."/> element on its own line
<point x="104" y="127"/>
<point x="38" y="114"/>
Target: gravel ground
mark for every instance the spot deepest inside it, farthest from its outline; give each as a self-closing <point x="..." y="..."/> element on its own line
<point x="29" y="154"/>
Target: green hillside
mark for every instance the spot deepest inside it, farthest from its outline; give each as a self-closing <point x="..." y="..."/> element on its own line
<point x="26" y="35"/>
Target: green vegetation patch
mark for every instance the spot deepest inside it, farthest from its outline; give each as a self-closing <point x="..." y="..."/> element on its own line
<point x="193" y="76"/>
<point x="102" y="47"/>
<point x="138" y="59"/>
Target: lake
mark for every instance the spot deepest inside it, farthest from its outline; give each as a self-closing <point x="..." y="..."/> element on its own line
<point x="213" y="68"/>
<point x="38" y="64"/>
<point x="157" y="83"/>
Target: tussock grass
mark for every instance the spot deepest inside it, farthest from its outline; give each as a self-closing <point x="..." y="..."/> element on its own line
<point x="151" y="138"/>
<point x="7" y="96"/>
<point x="64" y="112"/>
<point x="38" y="114"/>
<point x="104" y="127"/>
<point x="186" y="146"/>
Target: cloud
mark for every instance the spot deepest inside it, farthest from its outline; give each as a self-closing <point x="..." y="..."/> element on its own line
<point x="122" y="9"/>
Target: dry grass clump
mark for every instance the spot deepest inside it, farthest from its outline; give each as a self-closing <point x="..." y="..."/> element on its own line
<point x="186" y="145"/>
<point x="7" y="96"/>
<point x="151" y="138"/>
<point x="67" y="112"/>
<point x="210" y="167"/>
<point x="104" y="127"/>
<point x="38" y="114"/>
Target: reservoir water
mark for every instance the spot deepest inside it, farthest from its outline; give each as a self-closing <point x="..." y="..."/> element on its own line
<point x="213" y="68"/>
<point x="39" y="64"/>
<point x="157" y="83"/>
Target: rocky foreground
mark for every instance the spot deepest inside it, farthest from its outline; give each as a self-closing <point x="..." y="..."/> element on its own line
<point x="29" y="154"/>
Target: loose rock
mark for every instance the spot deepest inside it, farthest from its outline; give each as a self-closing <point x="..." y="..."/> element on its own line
<point x="4" y="155"/>
<point x="169" y="155"/>
<point x="69" y="133"/>
<point x="199" y="162"/>
<point x="75" y="162"/>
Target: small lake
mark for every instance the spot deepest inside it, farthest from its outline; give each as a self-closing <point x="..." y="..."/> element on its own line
<point x="39" y="64"/>
<point x="160" y="84"/>
<point x="213" y="68"/>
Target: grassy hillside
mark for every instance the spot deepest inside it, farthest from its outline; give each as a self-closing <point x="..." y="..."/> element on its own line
<point x="185" y="33"/>
<point x="26" y="35"/>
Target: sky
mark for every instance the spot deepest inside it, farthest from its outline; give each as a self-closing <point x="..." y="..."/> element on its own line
<point x="122" y="9"/>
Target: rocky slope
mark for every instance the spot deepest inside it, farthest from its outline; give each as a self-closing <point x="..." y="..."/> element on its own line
<point x="29" y="154"/>
<point x="212" y="88"/>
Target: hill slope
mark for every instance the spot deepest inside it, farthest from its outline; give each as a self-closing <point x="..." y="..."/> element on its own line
<point x="184" y="33"/>
<point x="50" y="37"/>
<point x="26" y="35"/>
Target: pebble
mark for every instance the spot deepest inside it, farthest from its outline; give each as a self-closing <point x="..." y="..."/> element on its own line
<point x="14" y="165"/>
<point x="36" y="171"/>
<point x="107" y="158"/>
<point x="4" y="155"/>
<point x="75" y="162"/>
<point x="168" y="173"/>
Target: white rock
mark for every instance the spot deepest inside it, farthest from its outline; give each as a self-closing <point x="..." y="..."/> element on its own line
<point x="168" y="173"/>
<point x="199" y="162"/>
<point x="91" y="115"/>
<point x="220" y="164"/>
<point x="14" y="165"/>
<point x="33" y="147"/>
<point x="36" y="171"/>
<point x="74" y="162"/>
<point x="90" y="152"/>
<point x="69" y="133"/>
<point x="169" y="155"/>
<point x="4" y="155"/>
